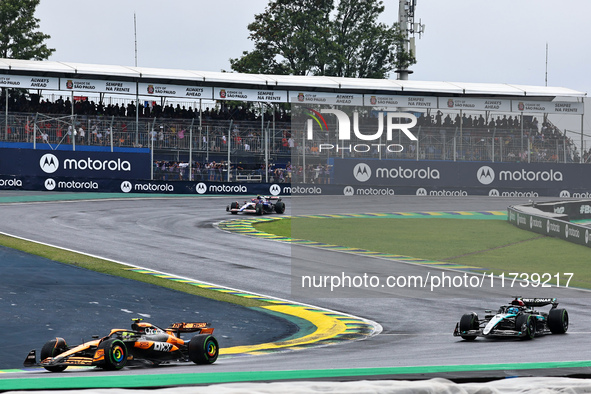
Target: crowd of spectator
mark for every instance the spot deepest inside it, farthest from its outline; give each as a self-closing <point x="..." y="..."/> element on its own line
<point x="476" y="123"/>
<point x="171" y="126"/>
<point x="218" y="171"/>
<point x="149" y="109"/>
<point x="498" y="125"/>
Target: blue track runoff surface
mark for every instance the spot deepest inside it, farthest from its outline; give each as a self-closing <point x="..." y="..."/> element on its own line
<point x="40" y="298"/>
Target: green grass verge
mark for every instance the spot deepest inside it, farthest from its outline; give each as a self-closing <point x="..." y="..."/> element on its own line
<point x="112" y="268"/>
<point x="494" y="245"/>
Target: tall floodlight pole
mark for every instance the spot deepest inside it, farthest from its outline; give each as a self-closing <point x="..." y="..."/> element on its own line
<point x="137" y="99"/>
<point x="135" y="36"/>
<point x="6" y="115"/>
<point x="408" y="28"/>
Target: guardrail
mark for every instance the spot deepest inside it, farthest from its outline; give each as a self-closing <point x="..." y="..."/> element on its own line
<point x="554" y="219"/>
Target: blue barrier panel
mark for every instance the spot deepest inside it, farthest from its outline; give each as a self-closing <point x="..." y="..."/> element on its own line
<point x="74" y="164"/>
<point x="466" y="178"/>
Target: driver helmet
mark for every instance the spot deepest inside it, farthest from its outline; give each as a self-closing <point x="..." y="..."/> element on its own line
<point x="513" y="309"/>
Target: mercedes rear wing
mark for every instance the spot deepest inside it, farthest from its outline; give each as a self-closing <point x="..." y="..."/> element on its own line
<point x="533" y="302"/>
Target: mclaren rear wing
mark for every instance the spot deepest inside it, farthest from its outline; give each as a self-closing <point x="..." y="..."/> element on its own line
<point x="203" y="328"/>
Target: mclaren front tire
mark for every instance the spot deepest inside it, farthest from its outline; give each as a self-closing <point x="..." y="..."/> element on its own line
<point x="54" y="348"/>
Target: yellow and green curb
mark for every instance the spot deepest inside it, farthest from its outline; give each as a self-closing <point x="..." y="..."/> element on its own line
<point x="245" y="226"/>
<point x="318" y="326"/>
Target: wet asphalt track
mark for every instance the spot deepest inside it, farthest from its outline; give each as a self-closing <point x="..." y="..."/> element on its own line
<point x="178" y="236"/>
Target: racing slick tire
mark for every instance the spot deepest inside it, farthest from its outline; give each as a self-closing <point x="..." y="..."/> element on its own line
<point x="530" y="326"/>
<point x="558" y="321"/>
<point x="280" y="207"/>
<point x="259" y="209"/>
<point x="469" y="321"/>
<point x="203" y="349"/>
<point x="115" y="354"/>
<point x="234" y="205"/>
<point x="54" y="348"/>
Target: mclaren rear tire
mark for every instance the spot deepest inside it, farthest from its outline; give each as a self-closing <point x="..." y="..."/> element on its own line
<point x="54" y="348"/>
<point x="203" y="349"/>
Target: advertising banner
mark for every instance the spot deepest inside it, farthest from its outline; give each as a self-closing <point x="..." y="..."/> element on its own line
<point x="388" y="100"/>
<point x="548" y="107"/>
<point x="464" y="178"/>
<point x="74" y="164"/>
<point x="573" y="210"/>
<point x="127" y="186"/>
<point x="475" y="104"/>
<point x="540" y="224"/>
<point x="95" y="85"/>
<point x="169" y="90"/>
<point x="26" y="82"/>
<point x="298" y="97"/>
<point x="272" y="96"/>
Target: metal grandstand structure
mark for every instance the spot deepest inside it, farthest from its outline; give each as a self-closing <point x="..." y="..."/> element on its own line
<point x="261" y="139"/>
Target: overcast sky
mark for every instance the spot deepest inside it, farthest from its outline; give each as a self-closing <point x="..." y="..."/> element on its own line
<point x="500" y="41"/>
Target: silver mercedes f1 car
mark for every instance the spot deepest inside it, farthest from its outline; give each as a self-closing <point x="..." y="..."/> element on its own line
<point x="518" y="319"/>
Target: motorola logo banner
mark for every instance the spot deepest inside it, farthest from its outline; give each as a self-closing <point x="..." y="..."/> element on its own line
<point x="348" y="191"/>
<point x="493" y="193"/>
<point x="11" y="182"/>
<point x="275" y="189"/>
<point x="565" y="194"/>
<point x="49" y="163"/>
<point x="421" y="192"/>
<point x="126" y="186"/>
<point x="50" y="184"/>
<point x="201" y="188"/>
<point x="362" y="172"/>
<point x="485" y="175"/>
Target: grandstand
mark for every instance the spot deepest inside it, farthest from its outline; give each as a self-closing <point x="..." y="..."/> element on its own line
<point x="195" y="121"/>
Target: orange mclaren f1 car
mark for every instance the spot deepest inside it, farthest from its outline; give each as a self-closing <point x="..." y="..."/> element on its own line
<point x="145" y="343"/>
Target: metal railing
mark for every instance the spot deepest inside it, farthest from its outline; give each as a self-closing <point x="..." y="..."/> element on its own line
<point x="437" y="143"/>
<point x="198" y="141"/>
<point x="161" y="133"/>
